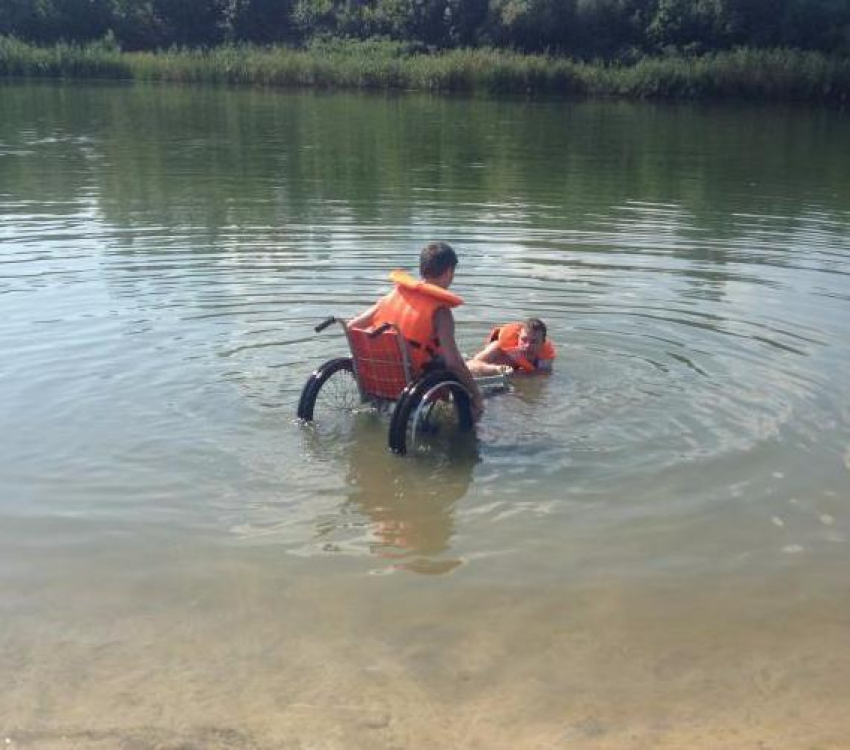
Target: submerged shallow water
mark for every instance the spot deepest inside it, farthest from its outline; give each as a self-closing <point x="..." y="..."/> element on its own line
<point x="648" y="546"/>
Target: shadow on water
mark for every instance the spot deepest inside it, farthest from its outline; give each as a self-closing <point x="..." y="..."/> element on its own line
<point x="401" y="510"/>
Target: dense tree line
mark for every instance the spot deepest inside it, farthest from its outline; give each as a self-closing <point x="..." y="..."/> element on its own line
<point x="614" y="29"/>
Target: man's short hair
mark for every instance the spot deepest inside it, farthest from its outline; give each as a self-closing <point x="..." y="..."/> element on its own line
<point x="435" y="259"/>
<point x="535" y="325"/>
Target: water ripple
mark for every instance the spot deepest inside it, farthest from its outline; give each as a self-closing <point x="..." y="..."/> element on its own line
<point x="168" y="322"/>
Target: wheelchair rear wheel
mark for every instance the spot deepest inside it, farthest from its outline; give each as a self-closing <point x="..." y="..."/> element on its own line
<point x="430" y="412"/>
<point x="334" y="381"/>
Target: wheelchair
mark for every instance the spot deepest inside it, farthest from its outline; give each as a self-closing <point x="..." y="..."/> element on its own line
<point x="427" y="405"/>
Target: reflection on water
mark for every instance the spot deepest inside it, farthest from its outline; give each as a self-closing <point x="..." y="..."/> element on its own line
<point x="669" y="507"/>
<point x="401" y="511"/>
<point x="408" y="506"/>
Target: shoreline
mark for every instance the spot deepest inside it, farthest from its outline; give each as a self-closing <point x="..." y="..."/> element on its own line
<point x="776" y="76"/>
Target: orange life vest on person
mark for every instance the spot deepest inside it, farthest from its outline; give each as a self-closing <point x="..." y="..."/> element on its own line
<point x="508" y="337"/>
<point x="411" y="307"/>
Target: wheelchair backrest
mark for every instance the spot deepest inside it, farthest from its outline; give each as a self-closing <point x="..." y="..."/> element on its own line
<point x="381" y="363"/>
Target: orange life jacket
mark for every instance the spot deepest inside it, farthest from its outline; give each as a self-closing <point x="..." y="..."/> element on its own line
<point x="508" y="337"/>
<point x="411" y="307"/>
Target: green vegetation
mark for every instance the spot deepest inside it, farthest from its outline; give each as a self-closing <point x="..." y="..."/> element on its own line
<point x="752" y="74"/>
<point x="583" y="29"/>
<point x="766" y="49"/>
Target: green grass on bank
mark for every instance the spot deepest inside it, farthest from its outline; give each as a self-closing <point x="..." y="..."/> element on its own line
<point x="774" y="75"/>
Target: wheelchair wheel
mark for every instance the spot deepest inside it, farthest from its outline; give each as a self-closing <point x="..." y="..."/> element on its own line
<point x="430" y="412"/>
<point x="334" y="381"/>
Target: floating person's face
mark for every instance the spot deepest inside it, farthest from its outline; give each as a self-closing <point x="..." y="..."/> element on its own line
<point x="530" y="342"/>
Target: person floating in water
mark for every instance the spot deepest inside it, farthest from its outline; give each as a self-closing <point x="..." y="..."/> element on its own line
<point x="421" y="310"/>
<point x="515" y="347"/>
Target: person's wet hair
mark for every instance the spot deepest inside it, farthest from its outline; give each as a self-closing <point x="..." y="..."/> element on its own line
<point x="435" y="259"/>
<point x="535" y="325"/>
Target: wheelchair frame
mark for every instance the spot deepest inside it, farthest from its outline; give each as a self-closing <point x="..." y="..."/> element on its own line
<point x="381" y="366"/>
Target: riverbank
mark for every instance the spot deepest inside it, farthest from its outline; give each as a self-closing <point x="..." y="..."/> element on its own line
<point x="766" y="75"/>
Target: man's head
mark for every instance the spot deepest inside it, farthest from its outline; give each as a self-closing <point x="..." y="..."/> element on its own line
<point x="531" y="337"/>
<point x="437" y="263"/>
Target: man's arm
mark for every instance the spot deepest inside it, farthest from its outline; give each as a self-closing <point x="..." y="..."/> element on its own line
<point x="489" y="361"/>
<point x="490" y="354"/>
<point x="364" y="319"/>
<point x="444" y="325"/>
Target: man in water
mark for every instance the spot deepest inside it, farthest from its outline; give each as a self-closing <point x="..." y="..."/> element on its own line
<point x="515" y="347"/>
<point x="421" y="310"/>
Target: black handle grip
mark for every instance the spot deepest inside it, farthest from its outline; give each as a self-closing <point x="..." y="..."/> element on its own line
<point x="324" y="324"/>
<point x="379" y="330"/>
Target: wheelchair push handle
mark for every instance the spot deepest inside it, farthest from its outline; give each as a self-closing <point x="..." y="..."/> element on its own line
<point x="324" y="324"/>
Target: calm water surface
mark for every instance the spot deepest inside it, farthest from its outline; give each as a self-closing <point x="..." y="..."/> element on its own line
<point x="648" y="548"/>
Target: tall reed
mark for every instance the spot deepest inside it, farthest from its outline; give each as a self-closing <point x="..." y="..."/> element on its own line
<point x="775" y="75"/>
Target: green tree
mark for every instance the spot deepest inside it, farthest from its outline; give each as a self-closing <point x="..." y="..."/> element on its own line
<point x="817" y="24"/>
<point x="258" y="21"/>
<point x="531" y="25"/>
<point x="427" y="21"/>
<point x="137" y="26"/>
<point x="464" y="19"/>
<point x="193" y="23"/>
<point x="690" y="24"/>
<point x="30" y="20"/>
<point x="49" y="21"/>
<point x="610" y="28"/>
<point x="314" y="17"/>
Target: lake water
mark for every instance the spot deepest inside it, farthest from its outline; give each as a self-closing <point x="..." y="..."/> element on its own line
<point x="649" y="547"/>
